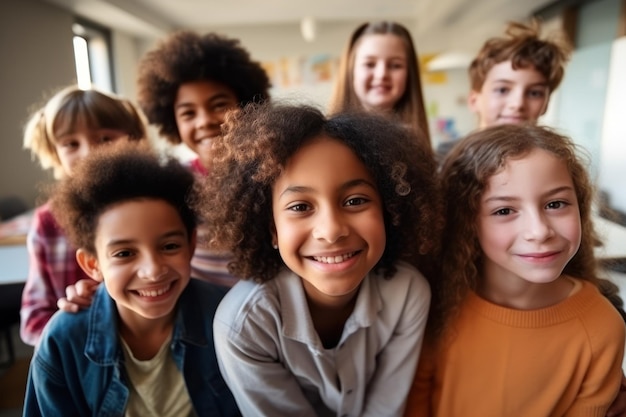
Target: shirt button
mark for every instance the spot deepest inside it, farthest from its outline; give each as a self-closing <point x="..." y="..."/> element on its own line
<point x="349" y="392"/>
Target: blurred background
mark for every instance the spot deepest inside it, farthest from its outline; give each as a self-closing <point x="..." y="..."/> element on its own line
<point x="48" y="44"/>
<point x="299" y="43"/>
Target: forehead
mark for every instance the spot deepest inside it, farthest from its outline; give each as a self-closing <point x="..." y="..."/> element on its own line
<point x="73" y="122"/>
<point x="527" y="75"/>
<point x="536" y="170"/>
<point x="202" y="90"/>
<point x="323" y="160"/>
<point x="137" y="214"/>
<point x="381" y="45"/>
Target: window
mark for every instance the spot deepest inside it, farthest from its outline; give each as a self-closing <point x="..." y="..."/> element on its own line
<point x="92" y="55"/>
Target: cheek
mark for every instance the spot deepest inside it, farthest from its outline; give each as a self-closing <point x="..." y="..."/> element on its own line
<point x="288" y="233"/>
<point x="573" y="231"/>
<point x="492" y="237"/>
<point x="401" y="79"/>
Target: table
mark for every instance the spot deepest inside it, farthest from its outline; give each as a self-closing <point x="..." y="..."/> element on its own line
<point x="13" y="264"/>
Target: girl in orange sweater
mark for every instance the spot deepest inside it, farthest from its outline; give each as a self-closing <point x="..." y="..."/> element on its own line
<point x="518" y="326"/>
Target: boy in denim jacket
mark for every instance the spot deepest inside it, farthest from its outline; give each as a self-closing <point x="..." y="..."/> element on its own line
<point x="145" y="346"/>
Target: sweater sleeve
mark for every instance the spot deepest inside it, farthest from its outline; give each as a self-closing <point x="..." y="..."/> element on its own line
<point x="604" y="374"/>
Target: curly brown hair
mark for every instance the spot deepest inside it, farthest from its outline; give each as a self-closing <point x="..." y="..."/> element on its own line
<point x="118" y="173"/>
<point x="410" y="108"/>
<point x="186" y="56"/>
<point x="522" y="45"/>
<point x="465" y="175"/>
<point x="259" y="140"/>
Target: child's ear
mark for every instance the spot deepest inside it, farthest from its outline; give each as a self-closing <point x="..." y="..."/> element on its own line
<point x="472" y="100"/>
<point x="89" y="263"/>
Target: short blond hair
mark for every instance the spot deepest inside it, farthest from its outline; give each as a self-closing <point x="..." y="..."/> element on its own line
<point x="70" y="106"/>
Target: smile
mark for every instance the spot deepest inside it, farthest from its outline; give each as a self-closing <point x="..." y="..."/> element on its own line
<point x="154" y="292"/>
<point x="334" y="259"/>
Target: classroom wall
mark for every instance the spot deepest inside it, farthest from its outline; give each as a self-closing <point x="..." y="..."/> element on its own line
<point x="613" y="146"/>
<point x="290" y="58"/>
<point x="584" y="86"/>
<point x="36" y="41"/>
<point x="37" y="58"/>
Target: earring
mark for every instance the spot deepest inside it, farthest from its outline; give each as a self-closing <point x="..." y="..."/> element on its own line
<point x="275" y="246"/>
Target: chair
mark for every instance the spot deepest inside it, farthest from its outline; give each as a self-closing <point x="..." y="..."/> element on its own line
<point x="11" y="206"/>
<point x="10" y="302"/>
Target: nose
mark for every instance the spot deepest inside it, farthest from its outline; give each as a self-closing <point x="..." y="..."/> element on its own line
<point x="516" y="100"/>
<point x="152" y="268"/>
<point x="380" y="71"/>
<point x="208" y="119"/>
<point x="330" y="226"/>
<point x="537" y="227"/>
<point x="85" y="148"/>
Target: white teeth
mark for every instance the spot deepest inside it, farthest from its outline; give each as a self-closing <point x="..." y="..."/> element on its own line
<point x="333" y="259"/>
<point x="154" y="293"/>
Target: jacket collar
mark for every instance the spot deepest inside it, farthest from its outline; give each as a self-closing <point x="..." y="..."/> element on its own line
<point x="102" y="346"/>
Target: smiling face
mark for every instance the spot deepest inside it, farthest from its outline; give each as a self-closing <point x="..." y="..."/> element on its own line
<point x="200" y="108"/>
<point x="529" y="221"/>
<point x="73" y="146"/>
<point x="510" y="96"/>
<point x="143" y="255"/>
<point x="380" y="71"/>
<point x="329" y="222"/>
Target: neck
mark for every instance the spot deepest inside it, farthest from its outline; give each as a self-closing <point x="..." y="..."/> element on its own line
<point x="145" y="337"/>
<point x="526" y="295"/>
<point x="329" y="314"/>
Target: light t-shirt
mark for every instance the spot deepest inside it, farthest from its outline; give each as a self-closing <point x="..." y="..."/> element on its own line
<point x="157" y="387"/>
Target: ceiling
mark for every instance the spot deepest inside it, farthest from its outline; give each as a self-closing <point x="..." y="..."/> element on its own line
<point x="439" y="24"/>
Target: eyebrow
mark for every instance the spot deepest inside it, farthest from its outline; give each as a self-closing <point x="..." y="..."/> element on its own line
<point x="295" y="189"/>
<point x="210" y="100"/>
<point x="507" y="81"/>
<point x="547" y="194"/>
<point x="118" y="242"/>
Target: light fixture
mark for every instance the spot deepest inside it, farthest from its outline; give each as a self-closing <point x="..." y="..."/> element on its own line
<point x="308" y="28"/>
<point x="449" y="60"/>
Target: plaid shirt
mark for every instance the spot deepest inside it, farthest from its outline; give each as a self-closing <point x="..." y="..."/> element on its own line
<point x="52" y="267"/>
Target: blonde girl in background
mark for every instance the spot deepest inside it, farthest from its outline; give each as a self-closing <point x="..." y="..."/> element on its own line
<point x="59" y="135"/>
<point x="379" y="72"/>
<point x="518" y="325"/>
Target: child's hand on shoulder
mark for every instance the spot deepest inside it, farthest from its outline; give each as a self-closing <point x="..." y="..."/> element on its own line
<point x="77" y="296"/>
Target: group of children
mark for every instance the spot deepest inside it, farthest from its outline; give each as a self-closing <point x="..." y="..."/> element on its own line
<point x="332" y="228"/>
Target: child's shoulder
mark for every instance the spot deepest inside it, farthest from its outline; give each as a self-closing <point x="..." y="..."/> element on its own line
<point x="594" y="307"/>
<point x="201" y="297"/>
<point x="249" y="293"/>
<point x="68" y="330"/>
<point x="406" y="276"/>
<point x="43" y="218"/>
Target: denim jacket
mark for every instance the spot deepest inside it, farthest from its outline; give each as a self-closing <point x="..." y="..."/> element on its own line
<point x="78" y="368"/>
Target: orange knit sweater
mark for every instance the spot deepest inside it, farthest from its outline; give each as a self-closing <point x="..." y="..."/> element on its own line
<point x="564" y="360"/>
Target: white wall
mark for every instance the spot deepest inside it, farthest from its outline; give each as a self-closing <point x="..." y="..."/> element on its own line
<point x="613" y="145"/>
<point x="37" y="59"/>
<point x="277" y="42"/>
<point x="582" y="95"/>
